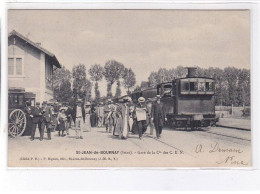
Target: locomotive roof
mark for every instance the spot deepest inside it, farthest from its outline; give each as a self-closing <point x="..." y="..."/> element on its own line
<point x="197" y="77"/>
<point x="186" y="78"/>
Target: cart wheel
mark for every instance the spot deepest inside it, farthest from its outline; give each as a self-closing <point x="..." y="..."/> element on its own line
<point x="17" y="123"/>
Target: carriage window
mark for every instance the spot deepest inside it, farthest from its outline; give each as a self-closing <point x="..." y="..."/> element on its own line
<point x="193" y="86"/>
<point x="20" y="100"/>
<point x="209" y="86"/>
<point x="11" y="100"/>
<point x="15" y="99"/>
<point x="201" y="86"/>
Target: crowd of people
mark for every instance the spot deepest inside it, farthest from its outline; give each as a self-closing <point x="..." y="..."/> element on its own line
<point x="118" y="118"/>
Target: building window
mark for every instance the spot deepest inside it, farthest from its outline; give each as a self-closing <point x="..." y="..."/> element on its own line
<point x="15" y="66"/>
<point x="10" y="66"/>
<point x="48" y="72"/>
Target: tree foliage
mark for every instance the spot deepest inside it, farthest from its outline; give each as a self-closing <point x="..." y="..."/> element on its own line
<point x="129" y="79"/>
<point x="80" y="82"/>
<point x="113" y="71"/>
<point x="62" y="84"/>
<point x="96" y="74"/>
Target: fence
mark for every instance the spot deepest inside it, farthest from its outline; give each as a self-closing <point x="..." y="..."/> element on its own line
<point x="231" y="111"/>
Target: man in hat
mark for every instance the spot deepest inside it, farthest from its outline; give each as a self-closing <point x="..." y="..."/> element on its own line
<point x="140" y="116"/>
<point x="46" y="122"/>
<point x="109" y="117"/>
<point x="158" y="116"/>
<point x="68" y="112"/>
<point x="150" y="125"/>
<point x="78" y="117"/>
<point x="36" y="115"/>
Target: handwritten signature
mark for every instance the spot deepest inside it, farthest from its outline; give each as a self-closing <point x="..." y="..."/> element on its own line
<point x="232" y="160"/>
<point x="215" y="147"/>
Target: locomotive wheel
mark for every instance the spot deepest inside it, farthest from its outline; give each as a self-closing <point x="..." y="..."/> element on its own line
<point x="17" y="123"/>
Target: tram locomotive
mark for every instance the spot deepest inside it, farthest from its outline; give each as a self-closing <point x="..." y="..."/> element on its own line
<point x="188" y="102"/>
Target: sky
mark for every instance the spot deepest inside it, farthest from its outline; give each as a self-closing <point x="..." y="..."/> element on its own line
<point x="144" y="40"/>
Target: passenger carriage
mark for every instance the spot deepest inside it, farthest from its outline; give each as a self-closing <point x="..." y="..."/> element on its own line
<point x="16" y="111"/>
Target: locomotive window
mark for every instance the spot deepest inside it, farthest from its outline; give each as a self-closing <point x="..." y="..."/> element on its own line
<point x="201" y="86"/>
<point x="209" y="86"/>
<point x="167" y="90"/>
<point x="193" y="86"/>
<point x="185" y="86"/>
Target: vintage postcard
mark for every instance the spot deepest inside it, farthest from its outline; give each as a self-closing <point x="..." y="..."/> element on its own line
<point x="129" y="88"/>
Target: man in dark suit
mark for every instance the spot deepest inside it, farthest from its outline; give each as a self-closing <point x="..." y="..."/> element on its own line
<point x="36" y="115"/>
<point x="158" y="116"/>
<point x="46" y="120"/>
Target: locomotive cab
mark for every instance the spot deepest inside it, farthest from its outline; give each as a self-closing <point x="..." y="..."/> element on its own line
<point x="195" y="103"/>
<point x="189" y="102"/>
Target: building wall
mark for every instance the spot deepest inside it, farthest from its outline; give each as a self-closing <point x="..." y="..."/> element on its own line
<point x="33" y="79"/>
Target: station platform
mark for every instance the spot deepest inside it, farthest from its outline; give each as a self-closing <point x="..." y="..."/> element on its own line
<point x="236" y="123"/>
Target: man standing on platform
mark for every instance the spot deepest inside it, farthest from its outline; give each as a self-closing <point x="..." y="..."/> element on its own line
<point x="78" y="114"/>
<point x="149" y="105"/>
<point x="46" y="121"/>
<point x="68" y="113"/>
<point x="140" y="114"/>
<point x="36" y="115"/>
<point x="158" y="116"/>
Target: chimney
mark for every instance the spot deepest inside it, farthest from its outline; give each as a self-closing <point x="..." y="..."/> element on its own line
<point x="191" y="71"/>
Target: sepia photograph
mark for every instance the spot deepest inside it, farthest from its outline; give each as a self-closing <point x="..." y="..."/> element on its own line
<point x="129" y="88"/>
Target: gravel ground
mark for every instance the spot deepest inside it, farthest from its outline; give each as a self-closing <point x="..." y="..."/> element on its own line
<point x="207" y="147"/>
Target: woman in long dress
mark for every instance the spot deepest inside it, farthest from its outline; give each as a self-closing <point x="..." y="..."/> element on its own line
<point x="61" y="121"/>
<point x="124" y="115"/>
<point x="118" y="122"/>
<point x="87" y="124"/>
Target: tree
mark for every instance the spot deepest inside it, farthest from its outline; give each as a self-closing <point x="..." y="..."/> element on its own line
<point x="96" y="74"/>
<point x="62" y="84"/>
<point x="243" y="89"/>
<point x="80" y="82"/>
<point x="129" y="79"/>
<point x="153" y="79"/>
<point x="231" y="76"/>
<point x="113" y="71"/>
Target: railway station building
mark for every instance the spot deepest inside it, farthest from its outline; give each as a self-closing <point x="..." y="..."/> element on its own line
<point x="31" y="67"/>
